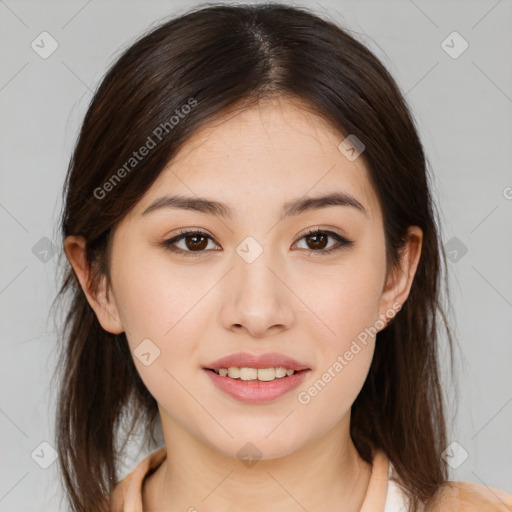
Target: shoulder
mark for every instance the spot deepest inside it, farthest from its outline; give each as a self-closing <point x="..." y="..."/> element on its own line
<point x="127" y="494"/>
<point x="470" y="497"/>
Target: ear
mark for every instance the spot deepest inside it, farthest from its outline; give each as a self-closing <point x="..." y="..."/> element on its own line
<point x="104" y="306"/>
<point x="399" y="281"/>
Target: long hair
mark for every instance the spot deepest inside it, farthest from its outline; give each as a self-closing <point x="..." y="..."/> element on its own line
<point x="215" y="59"/>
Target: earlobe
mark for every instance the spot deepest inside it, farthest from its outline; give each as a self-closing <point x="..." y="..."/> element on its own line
<point x="105" y="308"/>
<point x="400" y="279"/>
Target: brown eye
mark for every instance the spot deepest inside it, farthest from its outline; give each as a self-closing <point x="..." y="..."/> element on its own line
<point x="317" y="241"/>
<point x="191" y="242"/>
<point x="196" y="242"/>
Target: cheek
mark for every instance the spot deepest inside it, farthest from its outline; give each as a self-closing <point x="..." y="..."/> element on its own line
<point x="167" y="305"/>
<point x="345" y="348"/>
<point x="160" y="311"/>
<point x="329" y="395"/>
<point x="345" y="300"/>
<point x="155" y="300"/>
<point x="353" y="309"/>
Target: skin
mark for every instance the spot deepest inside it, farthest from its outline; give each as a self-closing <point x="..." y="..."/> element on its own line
<point x="290" y="300"/>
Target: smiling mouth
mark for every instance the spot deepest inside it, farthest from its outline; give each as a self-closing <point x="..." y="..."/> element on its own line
<point x="255" y="374"/>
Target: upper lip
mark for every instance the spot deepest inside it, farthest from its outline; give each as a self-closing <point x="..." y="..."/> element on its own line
<point x="247" y="360"/>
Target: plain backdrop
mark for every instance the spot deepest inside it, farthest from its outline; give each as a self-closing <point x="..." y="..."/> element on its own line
<point x="462" y="103"/>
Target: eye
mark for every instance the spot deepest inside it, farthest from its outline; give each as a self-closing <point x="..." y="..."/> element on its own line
<point x="197" y="241"/>
<point x="193" y="242"/>
<point x="317" y="240"/>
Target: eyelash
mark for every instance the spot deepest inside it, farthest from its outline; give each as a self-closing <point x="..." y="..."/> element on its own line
<point x="169" y="244"/>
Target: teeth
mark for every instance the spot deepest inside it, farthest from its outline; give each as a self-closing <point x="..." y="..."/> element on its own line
<point x="263" y="374"/>
<point x="234" y="372"/>
<point x="246" y="373"/>
<point x="266" y="374"/>
<point x="281" y="372"/>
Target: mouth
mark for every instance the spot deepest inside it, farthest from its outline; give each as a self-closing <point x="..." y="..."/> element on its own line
<point x="256" y="374"/>
<point x="267" y="366"/>
<point x="256" y="385"/>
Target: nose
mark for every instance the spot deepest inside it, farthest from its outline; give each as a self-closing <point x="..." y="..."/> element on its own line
<point x="257" y="298"/>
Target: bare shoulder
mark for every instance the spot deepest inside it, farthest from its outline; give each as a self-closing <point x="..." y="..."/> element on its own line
<point x="470" y="497"/>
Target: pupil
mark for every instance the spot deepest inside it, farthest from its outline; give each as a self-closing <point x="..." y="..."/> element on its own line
<point x="322" y="245"/>
<point x="195" y="245"/>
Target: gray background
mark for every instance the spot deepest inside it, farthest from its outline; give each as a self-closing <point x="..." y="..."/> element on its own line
<point x="463" y="107"/>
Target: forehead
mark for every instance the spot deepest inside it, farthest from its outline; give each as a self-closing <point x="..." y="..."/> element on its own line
<point x="268" y="154"/>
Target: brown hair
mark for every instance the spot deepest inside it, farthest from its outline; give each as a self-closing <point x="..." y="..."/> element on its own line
<point x="226" y="57"/>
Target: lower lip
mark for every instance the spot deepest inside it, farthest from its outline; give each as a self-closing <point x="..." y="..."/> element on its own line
<point x="257" y="391"/>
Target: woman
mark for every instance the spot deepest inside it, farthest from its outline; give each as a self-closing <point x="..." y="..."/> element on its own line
<point x="254" y="265"/>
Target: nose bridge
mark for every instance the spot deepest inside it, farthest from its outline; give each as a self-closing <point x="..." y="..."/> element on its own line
<point x="259" y="296"/>
<point x="256" y="265"/>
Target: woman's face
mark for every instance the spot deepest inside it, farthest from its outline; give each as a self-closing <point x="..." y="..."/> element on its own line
<point x="257" y="281"/>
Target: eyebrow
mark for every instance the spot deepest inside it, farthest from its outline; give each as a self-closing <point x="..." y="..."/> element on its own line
<point x="218" y="209"/>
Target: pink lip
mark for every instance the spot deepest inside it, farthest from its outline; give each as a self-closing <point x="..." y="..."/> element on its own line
<point x="245" y="359"/>
<point x="253" y="391"/>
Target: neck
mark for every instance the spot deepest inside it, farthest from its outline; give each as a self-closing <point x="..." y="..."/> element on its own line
<point x="326" y="474"/>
